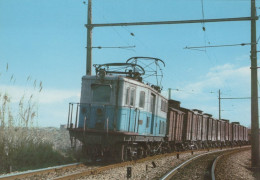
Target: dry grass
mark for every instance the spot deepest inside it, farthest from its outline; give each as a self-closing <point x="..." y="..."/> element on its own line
<point x="21" y="147"/>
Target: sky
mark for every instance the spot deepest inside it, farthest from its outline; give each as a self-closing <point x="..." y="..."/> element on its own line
<point x="44" y="42"/>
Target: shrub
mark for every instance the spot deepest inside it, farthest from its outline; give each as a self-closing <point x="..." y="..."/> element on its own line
<point x="20" y="145"/>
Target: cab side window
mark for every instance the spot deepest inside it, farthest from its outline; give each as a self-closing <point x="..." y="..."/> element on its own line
<point x="130" y="96"/>
<point x="127" y="96"/>
<point x="142" y="99"/>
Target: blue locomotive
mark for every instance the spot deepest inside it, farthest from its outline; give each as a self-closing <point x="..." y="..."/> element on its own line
<point x="119" y="115"/>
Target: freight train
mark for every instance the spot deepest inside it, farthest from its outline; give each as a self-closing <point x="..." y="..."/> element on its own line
<point x="121" y="117"/>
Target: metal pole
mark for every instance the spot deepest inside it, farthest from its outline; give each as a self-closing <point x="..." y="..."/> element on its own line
<point x="89" y="40"/>
<point x="254" y="92"/>
<point x="219" y="105"/>
<point x="170" y="93"/>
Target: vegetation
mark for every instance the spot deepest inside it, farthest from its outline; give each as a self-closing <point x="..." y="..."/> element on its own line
<point x="21" y="147"/>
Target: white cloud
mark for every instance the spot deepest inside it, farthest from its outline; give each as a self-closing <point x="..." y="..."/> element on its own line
<point x="56" y="95"/>
<point x="233" y="81"/>
<point x="45" y="96"/>
<point x="218" y="77"/>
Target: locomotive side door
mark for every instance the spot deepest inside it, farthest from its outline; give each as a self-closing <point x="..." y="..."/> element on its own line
<point x="152" y="110"/>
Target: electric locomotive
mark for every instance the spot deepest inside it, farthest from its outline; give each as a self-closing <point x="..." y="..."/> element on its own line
<point x="119" y="116"/>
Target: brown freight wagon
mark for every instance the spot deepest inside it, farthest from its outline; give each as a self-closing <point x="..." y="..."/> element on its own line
<point x="209" y="127"/>
<point x="230" y="132"/>
<point x="218" y="131"/>
<point x="245" y="135"/>
<point x="226" y="131"/>
<point x="199" y="127"/>
<point x="214" y="131"/>
<point x="187" y="124"/>
<point x="170" y="131"/>
<point x="175" y="120"/>
<point x="199" y="123"/>
<point x="222" y="132"/>
<point x="194" y="126"/>
<point x="175" y="125"/>
<point x="179" y="126"/>
<point x="187" y="127"/>
<point x="240" y="133"/>
<point x="204" y="129"/>
<point x="235" y="132"/>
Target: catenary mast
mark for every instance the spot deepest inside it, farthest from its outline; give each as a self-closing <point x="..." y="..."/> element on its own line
<point x="254" y="92"/>
<point x="89" y="40"/>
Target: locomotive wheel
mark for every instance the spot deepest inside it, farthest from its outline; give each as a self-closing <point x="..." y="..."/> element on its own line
<point x="148" y="150"/>
<point x="125" y="156"/>
<point x="141" y="152"/>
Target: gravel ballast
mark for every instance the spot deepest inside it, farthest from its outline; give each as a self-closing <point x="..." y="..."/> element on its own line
<point x="237" y="167"/>
<point x="163" y="165"/>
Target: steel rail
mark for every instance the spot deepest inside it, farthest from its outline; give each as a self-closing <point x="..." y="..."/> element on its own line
<point x="117" y="165"/>
<point x="171" y="173"/>
<point x="213" y="177"/>
<point x="29" y="173"/>
<point x="25" y="174"/>
<point x="214" y="166"/>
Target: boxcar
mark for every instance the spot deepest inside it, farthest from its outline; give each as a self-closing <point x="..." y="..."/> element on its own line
<point x="204" y="130"/>
<point x="214" y="131"/>
<point x="218" y="131"/>
<point x="222" y="132"/>
<point x="175" y="124"/>
<point x="235" y="132"/>
<point x="199" y="117"/>
<point x="226" y="131"/>
<point x="230" y="132"/>
<point x="175" y="127"/>
<point x="194" y="129"/>
<point x="209" y="128"/>
<point x="241" y="133"/>
<point x="245" y="135"/>
<point x="187" y="126"/>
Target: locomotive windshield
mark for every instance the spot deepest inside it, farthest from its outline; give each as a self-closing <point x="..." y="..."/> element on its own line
<point x="101" y="93"/>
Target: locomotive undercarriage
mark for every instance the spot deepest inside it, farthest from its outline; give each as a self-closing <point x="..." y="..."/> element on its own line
<point x="119" y="147"/>
<point x="123" y="151"/>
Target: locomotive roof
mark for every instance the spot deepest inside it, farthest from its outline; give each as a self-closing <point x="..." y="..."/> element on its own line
<point x="126" y="79"/>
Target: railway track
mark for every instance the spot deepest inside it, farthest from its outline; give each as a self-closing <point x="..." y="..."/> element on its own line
<point x="78" y="170"/>
<point x="34" y="174"/>
<point x="98" y="170"/>
<point x="201" y="166"/>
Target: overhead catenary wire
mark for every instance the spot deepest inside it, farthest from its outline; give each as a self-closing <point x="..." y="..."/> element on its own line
<point x="111" y="47"/>
<point x="238" y="98"/>
<point x="225" y="45"/>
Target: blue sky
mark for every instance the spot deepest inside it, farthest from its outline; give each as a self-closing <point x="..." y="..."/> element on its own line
<point x="46" y="40"/>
